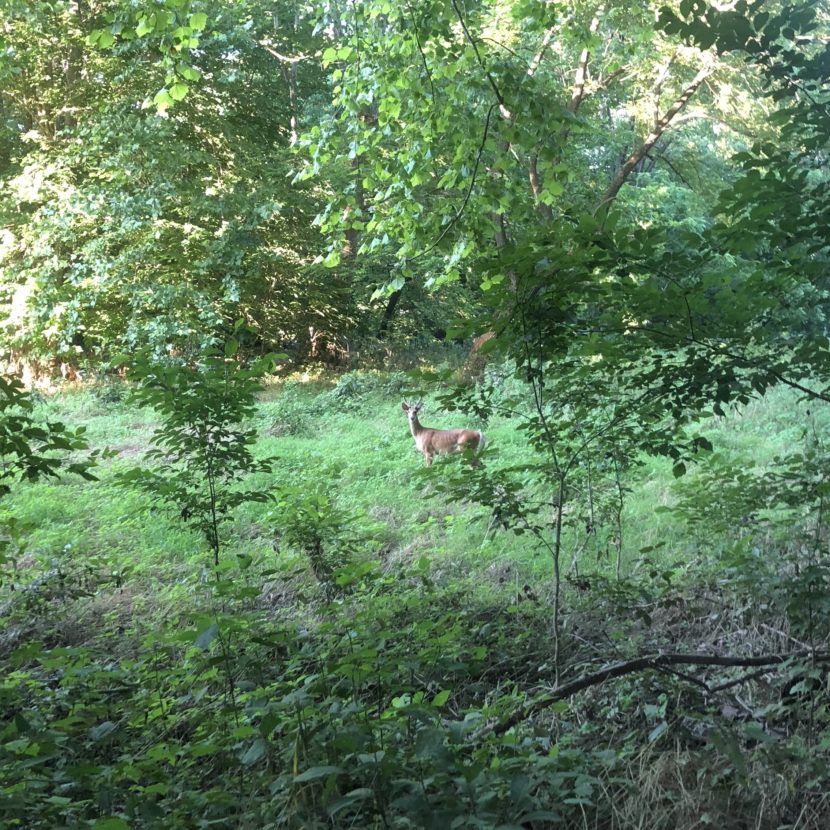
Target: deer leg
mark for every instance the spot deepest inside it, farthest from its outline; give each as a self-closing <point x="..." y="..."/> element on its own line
<point x="427" y="459"/>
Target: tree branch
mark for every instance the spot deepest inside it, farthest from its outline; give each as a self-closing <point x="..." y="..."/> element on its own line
<point x="283" y="58"/>
<point x="746" y="362"/>
<point x="581" y="76"/>
<point x="537" y="58"/>
<point x="469" y="192"/>
<point x="421" y="50"/>
<point x="657" y="662"/>
<point x="572" y="106"/>
<point x="502" y="106"/>
<point x="662" y="74"/>
<point x="652" y="138"/>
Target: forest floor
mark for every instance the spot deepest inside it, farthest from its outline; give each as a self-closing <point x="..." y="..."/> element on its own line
<point x="143" y="689"/>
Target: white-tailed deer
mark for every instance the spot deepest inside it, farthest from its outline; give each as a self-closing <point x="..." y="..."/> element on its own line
<point x="433" y="441"/>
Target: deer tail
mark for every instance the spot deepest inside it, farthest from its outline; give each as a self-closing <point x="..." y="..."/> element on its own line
<point x="482" y="440"/>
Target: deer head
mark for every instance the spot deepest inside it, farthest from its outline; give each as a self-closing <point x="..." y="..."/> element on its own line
<point x="412" y="411"/>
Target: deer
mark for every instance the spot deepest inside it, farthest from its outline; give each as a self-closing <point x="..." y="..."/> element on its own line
<point x="430" y="442"/>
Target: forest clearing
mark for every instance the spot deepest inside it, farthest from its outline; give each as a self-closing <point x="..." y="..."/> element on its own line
<point x="414" y="415"/>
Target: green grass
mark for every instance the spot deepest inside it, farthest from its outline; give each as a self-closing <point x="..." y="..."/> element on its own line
<point x="357" y="448"/>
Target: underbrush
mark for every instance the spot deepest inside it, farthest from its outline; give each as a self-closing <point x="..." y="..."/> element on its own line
<point x="372" y="652"/>
<point x="383" y="709"/>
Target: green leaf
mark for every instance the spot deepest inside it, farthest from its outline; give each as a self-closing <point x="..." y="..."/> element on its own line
<point x="207" y="636"/>
<point x="178" y="91"/>
<point x="313" y="773"/>
<point x="119" y="360"/>
<point x="727" y="744"/>
<point x="162" y="100"/>
<point x="255" y="751"/>
<point x="679" y="470"/>
<point x="429" y="743"/>
<point x="101" y="730"/>
<point x="187" y="72"/>
<point x="658" y="730"/>
<point x="145" y="26"/>
<point x="353" y="797"/>
<point x="756" y="732"/>
<point x="441" y="698"/>
<point x="332" y="260"/>
<point x="704" y="443"/>
<point x="198" y="21"/>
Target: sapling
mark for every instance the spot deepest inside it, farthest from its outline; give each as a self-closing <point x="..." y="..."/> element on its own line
<point x="202" y="449"/>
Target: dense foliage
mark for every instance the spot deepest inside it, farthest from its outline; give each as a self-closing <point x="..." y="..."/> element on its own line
<point x="372" y="653"/>
<point x="597" y="231"/>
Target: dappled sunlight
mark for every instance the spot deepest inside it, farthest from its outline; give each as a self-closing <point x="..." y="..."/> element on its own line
<point x="414" y="415"/>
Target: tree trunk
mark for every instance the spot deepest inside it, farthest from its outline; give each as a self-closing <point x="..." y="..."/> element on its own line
<point x="389" y="312"/>
<point x="290" y="74"/>
<point x="65" y="118"/>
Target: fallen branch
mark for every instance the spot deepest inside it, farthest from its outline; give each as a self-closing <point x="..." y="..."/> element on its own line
<point x="658" y="662"/>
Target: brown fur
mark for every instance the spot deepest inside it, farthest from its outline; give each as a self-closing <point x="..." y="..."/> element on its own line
<point x="430" y="442"/>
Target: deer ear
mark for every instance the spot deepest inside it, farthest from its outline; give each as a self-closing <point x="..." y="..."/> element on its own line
<point x="405" y="406"/>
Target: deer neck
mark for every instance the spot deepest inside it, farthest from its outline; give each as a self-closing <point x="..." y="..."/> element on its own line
<point x="415" y="427"/>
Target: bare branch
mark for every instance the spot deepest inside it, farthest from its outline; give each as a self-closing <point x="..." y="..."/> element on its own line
<point x="658" y="662"/>
<point x="578" y="92"/>
<point x="280" y="57"/>
<point x="581" y="76"/>
<point x="744" y="678"/>
<point x="577" y="95"/>
<point x="662" y="74"/>
<point x="536" y="188"/>
<point x="537" y="58"/>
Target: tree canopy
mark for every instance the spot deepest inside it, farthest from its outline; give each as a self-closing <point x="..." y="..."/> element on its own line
<point x="163" y="165"/>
